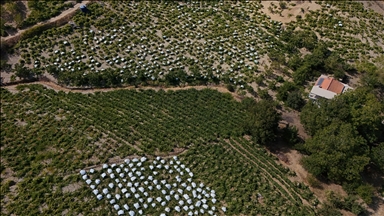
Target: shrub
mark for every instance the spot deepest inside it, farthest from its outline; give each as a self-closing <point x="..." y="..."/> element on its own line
<point x="4" y="65"/>
<point x="366" y="193"/>
<point x="230" y="88"/>
<point x="264" y="94"/>
<point x="328" y="209"/>
<point x="313" y="181"/>
<point x="34" y="31"/>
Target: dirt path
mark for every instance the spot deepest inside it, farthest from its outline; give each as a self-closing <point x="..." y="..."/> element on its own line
<point x="292" y="118"/>
<point x="56" y="87"/>
<point x="63" y="16"/>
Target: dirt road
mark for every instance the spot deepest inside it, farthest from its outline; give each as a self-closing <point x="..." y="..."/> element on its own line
<point x="65" y="15"/>
<point x="56" y="87"/>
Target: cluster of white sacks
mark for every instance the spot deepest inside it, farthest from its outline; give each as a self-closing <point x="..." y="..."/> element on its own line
<point x="127" y="183"/>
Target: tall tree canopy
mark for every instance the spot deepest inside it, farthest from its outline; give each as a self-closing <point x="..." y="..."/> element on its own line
<point x="262" y="120"/>
<point x="359" y="107"/>
<point x="343" y="130"/>
<point x="338" y="152"/>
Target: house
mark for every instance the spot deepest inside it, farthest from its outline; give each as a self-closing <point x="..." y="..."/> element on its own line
<point x="327" y="87"/>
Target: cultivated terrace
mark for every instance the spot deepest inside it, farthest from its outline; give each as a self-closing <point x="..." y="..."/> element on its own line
<point x="191" y="108"/>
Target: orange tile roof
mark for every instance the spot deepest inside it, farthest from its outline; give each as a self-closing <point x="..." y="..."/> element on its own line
<point x="330" y="84"/>
<point x="326" y="82"/>
<point x="335" y="86"/>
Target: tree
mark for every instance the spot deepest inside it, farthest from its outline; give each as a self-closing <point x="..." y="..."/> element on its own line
<point x="302" y="74"/>
<point x="359" y="107"/>
<point x="262" y="121"/>
<point x="335" y="65"/>
<point x="377" y="155"/>
<point x="328" y="209"/>
<point x="283" y="5"/>
<point x="284" y="90"/>
<point x="295" y="100"/>
<point x="372" y="75"/>
<point x="53" y="70"/>
<point x="23" y="72"/>
<point x="337" y="152"/>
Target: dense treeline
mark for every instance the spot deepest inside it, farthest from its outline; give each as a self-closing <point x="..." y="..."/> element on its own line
<point x="347" y="136"/>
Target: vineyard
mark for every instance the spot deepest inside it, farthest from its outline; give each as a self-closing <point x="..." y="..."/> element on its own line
<point x="174" y="43"/>
<point x="47" y="137"/>
<point x="190" y="108"/>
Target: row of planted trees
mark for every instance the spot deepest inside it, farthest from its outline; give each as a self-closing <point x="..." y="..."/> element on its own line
<point x="77" y="78"/>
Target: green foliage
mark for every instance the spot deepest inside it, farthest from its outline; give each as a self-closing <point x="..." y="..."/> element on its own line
<point x="295" y="100"/>
<point x="321" y="60"/>
<point x="337" y="152"/>
<point x="54" y="71"/>
<point x="4" y="65"/>
<point x="359" y="107"/>
<point x="334" y="64"/>
<point x="262" y="121"/>
<point x="283" y="5"/>
<point x="290" y="135"/>
<point x="302" y="74"/>
<point x="366" y="193"/>
<point x="377" y="156"/>
<point x="349" y="203"/>
<point x="3" y="33"/>
<point x="372" y="76"/>
<point x="313" y="181"/>
<point x="41" y="11"/>
<point x="300" y="39"/>
<point x="33" y="31"/>
<point x="284" y="90"/>
<point x="295" y="62"/>
<point x="290" y="94"/>
<point x="230" y="87"/>
<point x="23" y="72"/>
<point x="51" y="135"/>
<point x="328" y="209"/>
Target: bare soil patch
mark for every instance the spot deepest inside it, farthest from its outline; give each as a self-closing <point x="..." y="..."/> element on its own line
<point x="377" y="6"/>
<point x="292" y="118"/>
<point x="289" y="14"/>
<point x="20" y="123"/>
<point x="71" y="187"/>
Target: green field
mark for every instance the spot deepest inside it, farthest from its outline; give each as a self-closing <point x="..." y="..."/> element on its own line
<point x="48" y="136"/>
<point x="141" y="48"/>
